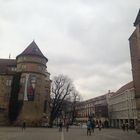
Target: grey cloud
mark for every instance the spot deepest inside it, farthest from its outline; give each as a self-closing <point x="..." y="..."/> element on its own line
<point x="86" y="40"/>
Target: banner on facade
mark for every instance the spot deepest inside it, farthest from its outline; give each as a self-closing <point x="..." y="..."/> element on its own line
<point x="27" y="89"/>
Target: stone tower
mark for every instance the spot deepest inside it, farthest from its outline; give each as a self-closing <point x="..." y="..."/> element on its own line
<point x="134" y="41"/>
<point x="35" y="86"/>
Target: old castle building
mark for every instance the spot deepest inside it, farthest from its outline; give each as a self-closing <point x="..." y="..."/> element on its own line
<point x="25" y="88"/>
<point x="135" y="60"/>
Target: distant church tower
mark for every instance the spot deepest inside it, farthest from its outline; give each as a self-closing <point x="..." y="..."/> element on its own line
<point x="35" y="85"/>
<point x="135" y="60"/>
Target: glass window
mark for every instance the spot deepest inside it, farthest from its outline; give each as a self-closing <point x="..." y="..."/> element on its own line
<point x="8" y="82"/>
<point x="24" y="58"/>
<point x="13" y="69"/>
<point x="23" y="67"/>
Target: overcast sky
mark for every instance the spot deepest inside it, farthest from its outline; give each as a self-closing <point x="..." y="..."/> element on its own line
<point x="86" y="40"/>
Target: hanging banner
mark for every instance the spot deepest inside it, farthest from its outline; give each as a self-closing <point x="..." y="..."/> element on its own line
<point x="30" y="88"/>
<point x="27" y="87"/>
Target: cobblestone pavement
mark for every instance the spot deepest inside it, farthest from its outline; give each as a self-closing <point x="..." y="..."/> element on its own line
<point x="73" y="134"/>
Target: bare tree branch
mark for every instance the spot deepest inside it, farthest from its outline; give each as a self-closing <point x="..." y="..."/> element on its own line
<point x="61" y="87"/>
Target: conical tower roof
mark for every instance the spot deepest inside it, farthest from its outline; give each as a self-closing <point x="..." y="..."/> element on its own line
<point x="32" y="50"/>
<point x="137" y="21"/>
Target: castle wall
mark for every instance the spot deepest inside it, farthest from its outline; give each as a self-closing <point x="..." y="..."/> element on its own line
<point x="5" y="90"/>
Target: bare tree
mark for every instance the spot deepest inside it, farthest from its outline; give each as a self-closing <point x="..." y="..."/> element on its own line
<point x="75" y="97"/>
<point x="61" y="88"/>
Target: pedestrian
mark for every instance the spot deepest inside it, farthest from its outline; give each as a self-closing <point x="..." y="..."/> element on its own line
<point x="23" y="125"/>
<point x="127" y="126"/>
<point x="60" y="126"/>
<point x="123" y="127"/>
<point x="67" y="126"/>
<point x="99" y="125"/>
<point x="92" y="125"/>
<point x="88" y="127"/>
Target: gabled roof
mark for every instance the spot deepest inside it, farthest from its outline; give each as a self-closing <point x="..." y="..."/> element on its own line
<point x="137" y="21"/>
<point x="33" y="50"/>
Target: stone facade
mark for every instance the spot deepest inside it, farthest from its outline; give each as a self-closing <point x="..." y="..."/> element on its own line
<point x="84" y="109"/>
<point x="134" y="41"/>
<point x="7" y="70"/>
<point x="4" y="97"/>
<point x="96" y="107"/>
<point x="34" y="91"/>
<point x="122" y="107"/>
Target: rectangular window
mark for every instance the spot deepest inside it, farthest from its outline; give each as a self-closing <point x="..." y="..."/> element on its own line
<point x="13" y="69"/>
<point x="24" y="58"/>
<point x="33" y="78"/>
<point x="8" y="82"/>
<point x="2" y="110"/>
<point x="23" y="67"/>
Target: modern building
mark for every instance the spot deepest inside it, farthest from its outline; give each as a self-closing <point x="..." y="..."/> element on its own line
<point x="25" y="88"/>
<point x="122" y="107"/>
<point x="134" y="41"/>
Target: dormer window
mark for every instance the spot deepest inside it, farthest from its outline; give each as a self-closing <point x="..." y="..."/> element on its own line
<point x="35" y="50"/>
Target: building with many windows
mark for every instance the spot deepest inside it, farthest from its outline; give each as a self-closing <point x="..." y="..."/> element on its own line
<point x="96" y="107"/>
<point x="122" y="107"/>
<point x="84" y="109"/>
<point x="25" y="88"/>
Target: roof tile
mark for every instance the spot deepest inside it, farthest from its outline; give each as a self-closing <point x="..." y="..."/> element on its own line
<point x="33" y="50"/>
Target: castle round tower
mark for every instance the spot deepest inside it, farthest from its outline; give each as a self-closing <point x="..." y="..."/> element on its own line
<point x="35" y="86"/>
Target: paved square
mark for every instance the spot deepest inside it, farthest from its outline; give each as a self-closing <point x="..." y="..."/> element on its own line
<point x="15" y="133"/>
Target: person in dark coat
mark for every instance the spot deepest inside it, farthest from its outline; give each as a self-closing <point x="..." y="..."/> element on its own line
<point x="67" y="126"/>
<point x="60" y="125"/>
<point x="88" y="127"/>
<point x="92" y="125"/>
<point x="24" y="125"/>
<point x="123" y="127"/>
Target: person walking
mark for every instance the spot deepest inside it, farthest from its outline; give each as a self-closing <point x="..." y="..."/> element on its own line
<point x="23" y="125"/>
<point x="88" y="127"/>
<point x="67" y="126"/>
<point x="60" y="126"/>
<point x="92" y="125"/>
<point x="123" y="127"/>
<point x="100" y="125"/>
<point x="127" y="126"/>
